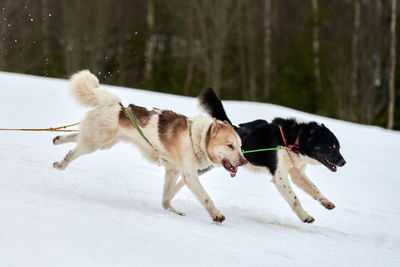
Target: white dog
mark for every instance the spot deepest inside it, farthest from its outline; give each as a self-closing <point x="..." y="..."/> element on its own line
<point x="183" y="145"/>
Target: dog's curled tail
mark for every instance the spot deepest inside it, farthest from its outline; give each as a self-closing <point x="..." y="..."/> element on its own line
<point x="86" y="90"/>
<point x="211" y="104"/>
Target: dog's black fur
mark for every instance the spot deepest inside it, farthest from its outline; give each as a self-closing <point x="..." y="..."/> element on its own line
<point x="314" y="144"/>
<point x="314" y="140"/>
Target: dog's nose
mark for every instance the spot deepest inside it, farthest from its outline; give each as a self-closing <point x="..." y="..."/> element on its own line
<point x="342" y="162"/>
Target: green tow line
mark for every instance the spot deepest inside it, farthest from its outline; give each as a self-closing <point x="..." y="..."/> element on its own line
<point x="262" y="149"/>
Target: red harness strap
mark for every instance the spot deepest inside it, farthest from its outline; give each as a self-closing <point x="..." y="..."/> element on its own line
<point x="294" y="148"/>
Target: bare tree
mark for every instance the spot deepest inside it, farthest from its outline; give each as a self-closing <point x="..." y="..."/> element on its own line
<point x="242" y="57"/>
<point x="190" y="48"/>
<point x="354" y="59"/>
<point x="215" y="19"/>
<point x="250" y="42"/>
<point x="316" y="66"/>
<point x="149" y="50"/>
<point x="267" y="46"/>
<point x="392" y="66"/>
<point x="372" y="98"/>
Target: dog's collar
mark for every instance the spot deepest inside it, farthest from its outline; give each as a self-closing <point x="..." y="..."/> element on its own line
<point x="296" y="147"/>
<point x="204" y="140"/>
<point x="189" y="126"/>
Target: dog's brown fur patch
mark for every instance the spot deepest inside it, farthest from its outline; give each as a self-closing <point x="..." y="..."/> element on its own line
<point x="170" y="126"/>
<point x="142" y="114"/>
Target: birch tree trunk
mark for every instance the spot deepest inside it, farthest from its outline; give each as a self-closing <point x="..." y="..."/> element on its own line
<point x="267" y="47"/>
<point x="315" y="36"/>
<point x="148" y="67"/>
<point x="392" y="66"/>
<point x="354" y="60"/>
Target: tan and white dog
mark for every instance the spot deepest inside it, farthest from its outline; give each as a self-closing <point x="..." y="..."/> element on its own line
<point x="184" y="145"/>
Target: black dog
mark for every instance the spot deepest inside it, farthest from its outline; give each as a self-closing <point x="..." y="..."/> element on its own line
<point x="301" y="144"/>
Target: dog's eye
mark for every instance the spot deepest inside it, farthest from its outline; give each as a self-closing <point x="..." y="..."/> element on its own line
<point x="230" y="146"/>
<point x="330" y="147"/>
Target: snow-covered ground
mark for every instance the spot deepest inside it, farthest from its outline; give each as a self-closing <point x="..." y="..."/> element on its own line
<point x="105" y="208"/>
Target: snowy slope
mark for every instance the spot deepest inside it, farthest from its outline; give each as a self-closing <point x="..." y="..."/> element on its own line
<point x="105" y="208"/>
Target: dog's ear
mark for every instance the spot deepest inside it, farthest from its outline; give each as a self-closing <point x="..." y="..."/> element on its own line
<point x="226" y="124"/>
<point x="215" y="126"/>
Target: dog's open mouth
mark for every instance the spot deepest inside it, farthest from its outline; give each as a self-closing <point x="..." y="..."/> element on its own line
<point x="329" y="164"/>
<point x="230" y="168"/>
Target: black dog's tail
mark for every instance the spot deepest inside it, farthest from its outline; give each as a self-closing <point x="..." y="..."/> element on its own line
<point x="211" y="104"/>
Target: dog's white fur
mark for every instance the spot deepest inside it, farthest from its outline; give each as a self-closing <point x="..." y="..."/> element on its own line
<point x="182" y="154"/>
<point x="295" y="165"/>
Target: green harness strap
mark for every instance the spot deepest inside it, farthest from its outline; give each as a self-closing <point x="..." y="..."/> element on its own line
<point x="132" y="117"/>
<point x="189" y="126"/>
<point x="135" y="123"/>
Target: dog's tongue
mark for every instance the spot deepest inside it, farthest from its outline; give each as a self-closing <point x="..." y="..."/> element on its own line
<point x="233" y="171"/>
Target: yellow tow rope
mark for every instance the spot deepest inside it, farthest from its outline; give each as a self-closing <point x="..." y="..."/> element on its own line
<point x="51" y="129"/>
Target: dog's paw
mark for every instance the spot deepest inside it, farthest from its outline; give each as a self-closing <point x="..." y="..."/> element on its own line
<point x="58" y="166"/>
<point x="308" y="219"/>
<point x="57" y="140"/>
<point x="219" y="218"/>
<point x="172" y="209"/>
<point x="327" y="204"/>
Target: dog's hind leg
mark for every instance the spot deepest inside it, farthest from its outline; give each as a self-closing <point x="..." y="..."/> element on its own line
<point x="73" y="154"/>
<point x="191" y="179"/>
<point x="178" y="187"/>
<point x="62" y="139"/>
<point x="281" y="181"/>
<point x="171" y="176"/>
<point x="300" y="179"/>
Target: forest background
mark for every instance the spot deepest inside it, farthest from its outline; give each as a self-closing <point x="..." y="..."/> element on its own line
<point x="335" y="58"/>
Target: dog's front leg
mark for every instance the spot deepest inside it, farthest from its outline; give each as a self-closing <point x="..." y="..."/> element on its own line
<point x="281" y="181"/>
<point x="180" y="183"/>
<point x="171" y="176"/>
<point x="191" y="179"/>
<point x="301" y="180"/>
